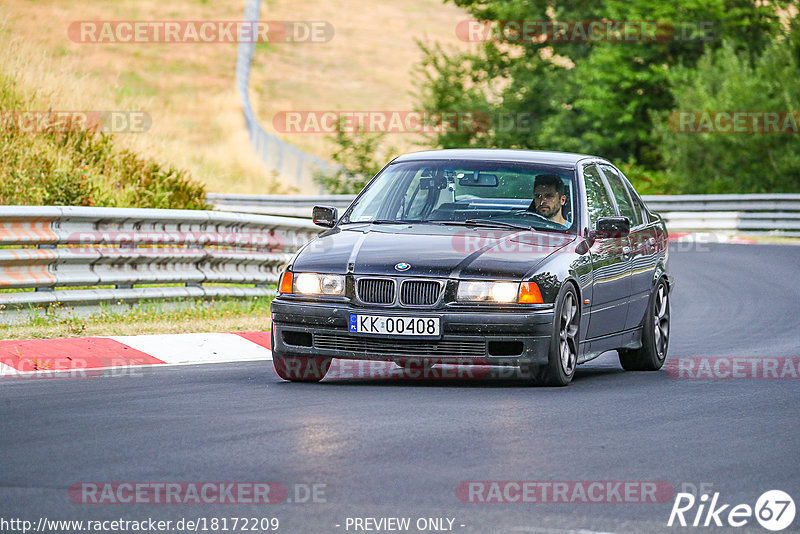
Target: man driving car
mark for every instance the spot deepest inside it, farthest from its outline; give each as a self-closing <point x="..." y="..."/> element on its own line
<point x="549" y="196"/>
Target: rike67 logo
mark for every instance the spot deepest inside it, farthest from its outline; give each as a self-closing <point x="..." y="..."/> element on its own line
<point x="774" y="510"/>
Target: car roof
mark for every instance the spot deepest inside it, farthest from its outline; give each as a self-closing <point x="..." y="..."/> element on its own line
<point x="496" y="154"/>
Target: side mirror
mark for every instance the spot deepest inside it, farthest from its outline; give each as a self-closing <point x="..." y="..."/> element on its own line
<point x="325" y="216"/>
<point x="612" y="227"/>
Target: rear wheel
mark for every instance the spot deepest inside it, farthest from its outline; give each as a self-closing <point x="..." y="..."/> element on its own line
<point x="301" y="369"/>
<point x="655" y="335"/>
<point x="562" y="357"/>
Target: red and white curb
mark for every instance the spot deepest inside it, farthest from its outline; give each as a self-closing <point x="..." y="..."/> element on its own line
<point x="74" y="355"/>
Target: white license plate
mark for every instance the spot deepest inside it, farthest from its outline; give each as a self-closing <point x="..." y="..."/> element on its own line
<point x="404" y="326"/>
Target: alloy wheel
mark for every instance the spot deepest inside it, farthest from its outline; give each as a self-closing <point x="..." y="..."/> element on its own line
<point x="568" y="332"/>
<point x="661" y="322"/>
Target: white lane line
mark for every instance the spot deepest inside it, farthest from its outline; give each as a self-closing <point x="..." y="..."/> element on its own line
<point x="197" y="348"/>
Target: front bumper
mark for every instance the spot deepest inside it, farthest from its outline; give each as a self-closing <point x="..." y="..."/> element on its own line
<point x="468" y="336"/>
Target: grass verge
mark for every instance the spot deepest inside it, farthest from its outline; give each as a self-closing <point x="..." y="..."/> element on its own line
<point x="215" y="315"/>
<point x="771" y="239"/>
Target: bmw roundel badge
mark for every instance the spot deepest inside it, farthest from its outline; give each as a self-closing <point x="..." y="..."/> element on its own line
<point x="402" y="266"/>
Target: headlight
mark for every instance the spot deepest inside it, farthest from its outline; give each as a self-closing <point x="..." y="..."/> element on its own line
<point x="502" y="292"/>
<point x="312" y="284"/>
<point x="487" y="291"/>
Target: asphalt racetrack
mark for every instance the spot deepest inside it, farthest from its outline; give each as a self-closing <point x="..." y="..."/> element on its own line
<point x="355" y="451"/>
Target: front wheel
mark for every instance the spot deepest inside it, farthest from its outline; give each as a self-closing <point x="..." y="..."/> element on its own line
<point x="562" y="357"/>
<point x="301" y="369"/>
<point x="655" y="335"/>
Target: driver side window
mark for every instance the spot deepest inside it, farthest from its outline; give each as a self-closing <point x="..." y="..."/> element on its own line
<point x="597" y="197"/>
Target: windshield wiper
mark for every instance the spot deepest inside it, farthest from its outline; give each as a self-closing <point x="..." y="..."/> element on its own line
<point x="488" y="223"/>
<point x="491" y="222"/>
<point x="386" y="221"/>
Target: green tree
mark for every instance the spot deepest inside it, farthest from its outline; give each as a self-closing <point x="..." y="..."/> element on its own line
<point x="719" y="162"/>
<point x="357" y="157"/>
<point x="592" y="97"/>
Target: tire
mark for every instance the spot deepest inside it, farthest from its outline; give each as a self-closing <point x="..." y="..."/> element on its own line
<point x="562" y="355"/>
<point x="655" y="334"/>
<point x="301" y="369"/>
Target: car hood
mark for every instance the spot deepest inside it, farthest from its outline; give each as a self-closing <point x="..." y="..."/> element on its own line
<point x="430" y="250"/>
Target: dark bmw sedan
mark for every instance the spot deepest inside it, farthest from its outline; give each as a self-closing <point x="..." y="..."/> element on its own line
<point x="539" y="260"/>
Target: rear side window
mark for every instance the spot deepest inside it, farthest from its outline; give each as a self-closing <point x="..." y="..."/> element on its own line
<point x="622" y="196"/>
<point x="599" y="202"/>
<point x="638" y="203"/>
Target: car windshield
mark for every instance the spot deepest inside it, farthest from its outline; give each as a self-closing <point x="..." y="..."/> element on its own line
<point x="470" y="193"/>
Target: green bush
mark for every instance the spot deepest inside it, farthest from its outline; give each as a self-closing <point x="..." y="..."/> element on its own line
<point x="648" y="181"/>
<point x="74" y="166"/>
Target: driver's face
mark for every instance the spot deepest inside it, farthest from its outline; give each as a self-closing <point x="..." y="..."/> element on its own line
<point x="547" y="201"/>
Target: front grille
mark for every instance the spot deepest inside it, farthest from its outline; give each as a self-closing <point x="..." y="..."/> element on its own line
<point x="419" y="292"/>
<point x="362" y="345"/>
<point x="376" y="290"/>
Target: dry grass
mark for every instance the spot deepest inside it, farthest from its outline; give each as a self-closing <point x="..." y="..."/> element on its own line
<point x="367" y="66"/>
<point x="189" y="89"/>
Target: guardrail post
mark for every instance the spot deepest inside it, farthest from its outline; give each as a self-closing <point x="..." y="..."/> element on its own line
<point x="49" y="246"/>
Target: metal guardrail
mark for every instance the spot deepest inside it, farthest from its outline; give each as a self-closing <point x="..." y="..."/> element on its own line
<point x="277" y="155"/>
<point x="739" y="203"/>
<point x="285" y="205"/>
<point x="771" y="214"/>
<point x="777" y="214"/>
<point x="52" y="249"/>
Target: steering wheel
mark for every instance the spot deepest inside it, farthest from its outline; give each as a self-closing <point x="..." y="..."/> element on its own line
<point x="519" y="213"/>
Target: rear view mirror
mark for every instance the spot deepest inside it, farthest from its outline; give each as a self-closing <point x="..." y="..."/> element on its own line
<point x="480" y="179"/>
<point x="612" y="227"/>
<point x="325" y="216"/>
<point x="426" y="184"/>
